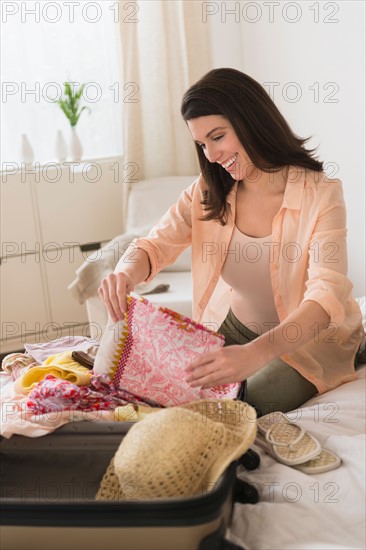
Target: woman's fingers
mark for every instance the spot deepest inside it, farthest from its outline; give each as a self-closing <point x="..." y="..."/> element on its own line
<point x="106" y="294"/>
<point x="210" y="379"/>
<point x="199" y="373"/>
<point x="201" y="361"/>
<point x="223" y="366"/>
<point x="113" y="291"/>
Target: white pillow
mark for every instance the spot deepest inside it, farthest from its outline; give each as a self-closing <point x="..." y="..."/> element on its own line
<point x="182" y="263"/>
<point x="149" y="199"/>
<point x="362" y="303"/>
<point x="147" y="202"/>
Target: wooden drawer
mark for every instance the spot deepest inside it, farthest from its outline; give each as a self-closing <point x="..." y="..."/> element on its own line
<point x="17" y="220"/>
<point x="86" y="207"/>
<point x="22" y="302"/>
<point x="65" y="310"/>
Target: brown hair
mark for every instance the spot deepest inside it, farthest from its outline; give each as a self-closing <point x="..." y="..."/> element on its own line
<point x="262" y="130"/>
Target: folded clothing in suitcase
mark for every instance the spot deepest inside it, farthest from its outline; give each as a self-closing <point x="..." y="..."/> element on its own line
<point x="48" y="497"/>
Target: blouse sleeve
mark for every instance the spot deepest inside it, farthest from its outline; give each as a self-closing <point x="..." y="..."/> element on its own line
<point x="327" y="281"/>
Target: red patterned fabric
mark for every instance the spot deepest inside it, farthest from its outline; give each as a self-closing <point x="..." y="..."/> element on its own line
<point x="148" y="352"/>
<point x="54" y="394"/>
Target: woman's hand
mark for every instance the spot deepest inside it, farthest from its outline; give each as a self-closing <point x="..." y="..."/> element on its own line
<point x="113" y="291"/>
<point x="233" y="364"/>
<point x="226" y="365"/>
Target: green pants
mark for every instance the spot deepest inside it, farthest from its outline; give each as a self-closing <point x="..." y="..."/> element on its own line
<point x="277" y="386"/>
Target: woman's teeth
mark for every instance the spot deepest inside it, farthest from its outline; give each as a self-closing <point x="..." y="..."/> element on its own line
<point x="228" y="163"/>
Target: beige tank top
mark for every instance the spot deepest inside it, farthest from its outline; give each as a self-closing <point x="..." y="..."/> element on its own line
<point x="247" y="270"/>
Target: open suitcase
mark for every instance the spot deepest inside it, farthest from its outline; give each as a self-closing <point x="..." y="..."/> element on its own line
<point x="48" y="488"/>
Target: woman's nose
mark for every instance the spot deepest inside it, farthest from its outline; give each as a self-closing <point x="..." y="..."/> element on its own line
<point x="212" y="153"/>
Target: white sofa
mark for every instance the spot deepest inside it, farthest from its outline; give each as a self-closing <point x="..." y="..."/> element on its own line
<point x="148" y="200"/>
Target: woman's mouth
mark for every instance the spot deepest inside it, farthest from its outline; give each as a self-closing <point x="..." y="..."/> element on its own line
<point x="230" y="163"/>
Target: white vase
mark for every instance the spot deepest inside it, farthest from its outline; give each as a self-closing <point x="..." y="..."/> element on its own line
<point x="60" y="147"/>
<point x="27" y="152"/>
<point x="76" y="148"/>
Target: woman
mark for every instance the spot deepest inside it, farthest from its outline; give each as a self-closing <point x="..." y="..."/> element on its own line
<point x="269" y="259"/>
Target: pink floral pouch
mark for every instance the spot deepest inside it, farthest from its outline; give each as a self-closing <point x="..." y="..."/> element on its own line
<point x="146" y="354"/>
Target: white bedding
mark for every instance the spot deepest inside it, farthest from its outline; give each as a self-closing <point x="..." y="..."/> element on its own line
<point x="322" y="511"/>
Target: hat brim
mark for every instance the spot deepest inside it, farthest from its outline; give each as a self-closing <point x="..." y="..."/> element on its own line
<point x="236" y="434"/>
<point x="240" y="421"/>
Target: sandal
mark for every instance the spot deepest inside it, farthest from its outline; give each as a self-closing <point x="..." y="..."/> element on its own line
<point x="285" y="441"/>
<point x="325" y="462"/>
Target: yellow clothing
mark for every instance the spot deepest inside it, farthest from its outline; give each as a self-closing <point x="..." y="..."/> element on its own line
<point x="308" y="262"/>
<point x="60" y="365"/>
<point x="133" y="412"/>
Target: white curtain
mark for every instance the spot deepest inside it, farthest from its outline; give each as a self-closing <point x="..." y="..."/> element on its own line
<point x="165" y="47"/>
<point x="43" y="45"/>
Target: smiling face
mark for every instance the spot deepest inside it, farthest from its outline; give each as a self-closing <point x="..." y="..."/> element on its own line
<point x="220" y="144"/>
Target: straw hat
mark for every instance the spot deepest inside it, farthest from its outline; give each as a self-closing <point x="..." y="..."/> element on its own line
<point x="179" y="451"/>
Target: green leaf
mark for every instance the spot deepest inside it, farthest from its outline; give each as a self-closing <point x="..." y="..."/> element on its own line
<point x="67" y="89"/>
<point x="70" y="103"/>
<point x="81" y="110"/>
<point x="80" y="92"/>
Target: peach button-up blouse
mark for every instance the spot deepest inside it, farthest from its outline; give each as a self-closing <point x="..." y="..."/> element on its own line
<point x="308" y="261"/>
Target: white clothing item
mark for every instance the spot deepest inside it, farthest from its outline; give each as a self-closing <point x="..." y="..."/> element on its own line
<point x="247" y="270"/>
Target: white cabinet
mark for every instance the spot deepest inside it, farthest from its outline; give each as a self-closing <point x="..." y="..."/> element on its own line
<point x="23" y="308"/>
<point x="51" y="220"/>
<point x="85" y="206"/>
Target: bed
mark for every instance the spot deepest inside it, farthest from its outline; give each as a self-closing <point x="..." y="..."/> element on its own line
<point x="322" y="511"/>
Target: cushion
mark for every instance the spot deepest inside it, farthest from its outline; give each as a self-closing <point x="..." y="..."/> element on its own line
<point x="362" y="303"/>
<point x="146" y="354"/>
<point x="157" y="195"/>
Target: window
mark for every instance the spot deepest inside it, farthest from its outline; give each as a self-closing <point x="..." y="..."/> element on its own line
<point x="43" y="45"/>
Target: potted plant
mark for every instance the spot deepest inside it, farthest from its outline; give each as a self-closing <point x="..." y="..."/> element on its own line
<point x="70" y="105"/>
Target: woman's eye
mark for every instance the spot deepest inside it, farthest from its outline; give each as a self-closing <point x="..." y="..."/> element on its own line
<point x="216" y="138"/>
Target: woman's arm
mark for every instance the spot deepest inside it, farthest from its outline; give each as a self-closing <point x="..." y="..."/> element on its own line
<point x="135" y="264"/>
<point x="145" y="257"/>
<point x="236" y="363"/>
<point x="301" y="326"/>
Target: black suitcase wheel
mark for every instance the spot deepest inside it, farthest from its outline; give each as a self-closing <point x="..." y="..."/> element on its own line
<point x="250" y="460"/>
<point x="244" y="493"/>
<point x="228" y="545"/>
<point x="217" y="541"/>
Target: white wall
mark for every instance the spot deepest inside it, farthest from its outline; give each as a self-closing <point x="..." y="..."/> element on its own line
<point x="322" y="52"/>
